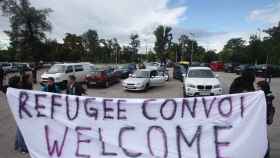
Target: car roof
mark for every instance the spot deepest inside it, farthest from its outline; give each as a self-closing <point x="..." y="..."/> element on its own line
<point x="147" y="70"/>
<point x="199" y="68"/>
<point x="67" y="64"/>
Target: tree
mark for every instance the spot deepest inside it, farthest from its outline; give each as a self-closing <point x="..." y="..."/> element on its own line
<point x="134" y="44"/>
<point x="235" y="50"/>
<point x="73" y="44"/>
<point x="90" y="42"/>
<point x="163" y="41"/>
<point x="28" y="27"/>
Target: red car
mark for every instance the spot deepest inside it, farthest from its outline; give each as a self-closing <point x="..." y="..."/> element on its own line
<point x="217" y="66"/>
<point x="103" y="77"/>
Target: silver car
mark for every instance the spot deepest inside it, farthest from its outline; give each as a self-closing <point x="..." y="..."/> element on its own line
<point x="143" y="79"/>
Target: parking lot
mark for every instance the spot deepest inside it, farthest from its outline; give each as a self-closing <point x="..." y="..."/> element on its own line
<point x="172" y="89"/>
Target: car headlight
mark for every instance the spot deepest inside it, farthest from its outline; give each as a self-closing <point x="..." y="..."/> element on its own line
<point x="138" y="84"/>
<point x="191" y="85"/>
<point x="217" y="86"/>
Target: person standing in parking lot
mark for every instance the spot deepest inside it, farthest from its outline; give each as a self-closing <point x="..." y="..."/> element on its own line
<point x="74" y="88"/>
<point x="51" y="86"/>
<point x="243" y="83"/>
<point x="2" y="75"/>
<point x="34" y="73"/>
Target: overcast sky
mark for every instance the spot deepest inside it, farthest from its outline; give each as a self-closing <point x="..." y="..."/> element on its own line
<point x="213" y="22"/>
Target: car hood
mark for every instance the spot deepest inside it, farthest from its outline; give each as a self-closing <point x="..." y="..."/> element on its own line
<point x="202" y="81"/>
<point x="135" y="80"/>
<point x="47" y="75"/>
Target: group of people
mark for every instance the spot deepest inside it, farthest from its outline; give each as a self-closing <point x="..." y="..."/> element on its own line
<point x="242" y="84"/>
<point x="26" y="81"/>
<point x="245" y="83"/>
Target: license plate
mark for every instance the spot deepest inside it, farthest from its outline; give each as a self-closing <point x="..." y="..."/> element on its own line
<point x="204" y="93"/>
<point x="92" y="82"/>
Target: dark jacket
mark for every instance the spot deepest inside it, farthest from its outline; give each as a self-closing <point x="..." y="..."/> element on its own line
<point x="53" y="89"/>
<point x="270" y="108"/>
<point x="240" y="85"/>
<point x="27" y="86"/>
<point x="76" y="89"/>
<point x="1" y="73"/>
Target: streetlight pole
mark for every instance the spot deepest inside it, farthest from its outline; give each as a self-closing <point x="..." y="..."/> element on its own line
<point x="192" y="34"/>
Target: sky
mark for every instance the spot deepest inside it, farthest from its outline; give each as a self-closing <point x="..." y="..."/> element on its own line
<point x="212" y="22"/>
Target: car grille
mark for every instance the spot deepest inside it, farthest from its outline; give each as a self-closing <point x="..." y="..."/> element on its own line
<point x="207" y="87"/>
<point x="130" y="84"/>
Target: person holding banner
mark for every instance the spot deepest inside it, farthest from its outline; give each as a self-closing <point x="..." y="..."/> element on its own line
<point x="74" y="88"/>
<point x="244" y="83"/>
<point x="264" y="86"/>
<point x="14" y="82"/>
<point x="27" y="82"/>
<point x="51" y="86"/>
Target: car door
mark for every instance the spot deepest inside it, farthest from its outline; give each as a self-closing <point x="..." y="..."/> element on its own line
<point x="79" y="72"/>
<point x="156" y="79"/>
<point x="69" y="71"/>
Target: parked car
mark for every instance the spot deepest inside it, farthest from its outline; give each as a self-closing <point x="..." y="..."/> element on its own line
<point x="143" y="79"/>
<point x="179" y="70"/>
<point x="195" y="63"/>
<point x="201" y="81"/>
<point x="104" y="77"/>
<point x="61" y="72"/>
<point x="266" y="70"/>
<point x="230" y="67"/>
<point x="152" y="65"/>
<point x="204" y="65"/>
<point x="9" y="67"/>
<point x="127" y="69"/>
<point x="23" y="67"/>
<point x="239" y="69"/>
<point x="217" y="66"/>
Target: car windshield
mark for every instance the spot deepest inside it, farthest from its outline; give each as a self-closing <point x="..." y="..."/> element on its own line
<point x="56" y="69"/>
<point x="141" y="74"/>
<point x="200" y="74"/>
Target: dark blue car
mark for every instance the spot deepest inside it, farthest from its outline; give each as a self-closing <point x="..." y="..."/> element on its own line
<point x="127" y="69"/>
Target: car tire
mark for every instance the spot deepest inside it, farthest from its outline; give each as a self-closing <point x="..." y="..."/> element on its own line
<point x="146" y="87"/>
<point x="107" y="84"/>
<point x="88" y="85"/>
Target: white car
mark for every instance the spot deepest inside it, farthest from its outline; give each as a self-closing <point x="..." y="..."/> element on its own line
<point x="152" y="65"/>
<point x="201" y="81"/>
<point x="143" y="79"/>
<point x="61" y="72"/>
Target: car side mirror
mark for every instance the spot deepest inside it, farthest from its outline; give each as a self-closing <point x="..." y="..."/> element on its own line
<point x="130" y="75"/>
<point x="216" y="75"/>
<point x="184" y="75"/>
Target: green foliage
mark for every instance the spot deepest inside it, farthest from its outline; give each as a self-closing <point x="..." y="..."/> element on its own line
<point x="257" y="51"/>
<point x="163" y="40"/>
<point x="28" y="27"/>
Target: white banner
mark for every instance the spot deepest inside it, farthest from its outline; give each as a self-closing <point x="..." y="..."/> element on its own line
<point x="58" y="125"/>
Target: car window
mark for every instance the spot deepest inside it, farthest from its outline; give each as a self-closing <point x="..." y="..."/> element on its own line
<point x="200" y="74"/>
<point x="57" y="69"/>
<point x="141" y="74"/>
<point x="79" y="68"/>
<point x="154" y="73"/>
<point x="69" y="69"/>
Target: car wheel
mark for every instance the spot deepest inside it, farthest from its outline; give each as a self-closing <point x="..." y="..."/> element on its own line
<point x="88" y="85"/>
<point x="146" y="87"/>
<point x="107" y="84"/>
